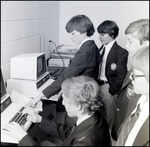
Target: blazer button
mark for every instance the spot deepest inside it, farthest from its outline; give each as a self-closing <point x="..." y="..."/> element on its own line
<point x="118" y="109"/>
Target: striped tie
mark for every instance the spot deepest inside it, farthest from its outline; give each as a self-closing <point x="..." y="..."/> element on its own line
<point x="101" y="59"/>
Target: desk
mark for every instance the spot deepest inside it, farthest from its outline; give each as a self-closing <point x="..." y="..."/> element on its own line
<point x="49" y="111"/>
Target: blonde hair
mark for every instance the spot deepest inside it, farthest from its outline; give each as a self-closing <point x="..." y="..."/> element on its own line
<point x="139" y="30"/>
<point x="140" y="61"/>
<point x="84" y="91"/>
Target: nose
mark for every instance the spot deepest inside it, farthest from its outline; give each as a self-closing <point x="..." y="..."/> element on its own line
<point x="100" y="36"/>
<point x="130" y="77"/>
<point x="71" y="36"/>
<point x="63" y="102"/>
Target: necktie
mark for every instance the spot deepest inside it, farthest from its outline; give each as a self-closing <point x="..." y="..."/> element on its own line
<point x="101" y="58"/>
<point x="127" y="126"/>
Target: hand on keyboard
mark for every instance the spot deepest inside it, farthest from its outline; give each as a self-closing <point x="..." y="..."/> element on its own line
<point x="14" y="130"/>
<point x="19" y="117"/>
<point x="32" y="115"/>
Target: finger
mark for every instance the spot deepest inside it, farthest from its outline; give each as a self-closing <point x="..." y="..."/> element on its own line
<point x="29" y="118"/>
<point x="31" y="104"/>
<point x="28" y="110"/>
<point x="14" y="123"/>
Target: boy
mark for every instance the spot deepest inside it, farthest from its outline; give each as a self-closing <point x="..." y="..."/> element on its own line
<point x="137" y="37"/>
<point x="81" y="100"/>
<point x="113" y="68"/>
<point x="86" y="60"/>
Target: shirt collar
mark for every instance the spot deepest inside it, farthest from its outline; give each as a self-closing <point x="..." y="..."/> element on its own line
<point x="89" y="38"/>
<point x="109" y="45"/>
<point x="82" y="119"/>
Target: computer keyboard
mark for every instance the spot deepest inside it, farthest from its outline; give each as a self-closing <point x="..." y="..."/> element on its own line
<point x="19" y="117"/>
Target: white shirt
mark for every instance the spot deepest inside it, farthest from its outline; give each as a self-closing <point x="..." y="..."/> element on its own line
<point x="82" y="119"/>
<point x="107" y="50"/>
<point x="141" y="119"/>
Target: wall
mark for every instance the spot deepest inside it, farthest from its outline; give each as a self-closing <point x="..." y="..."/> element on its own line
<point x="122" y="12"/>
<point x="26" y="27"/>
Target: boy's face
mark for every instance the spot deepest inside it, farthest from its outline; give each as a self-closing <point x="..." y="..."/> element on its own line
<point x="132" y="45"/>
<point x="70" y="107"/>
<point x="77" y="37"/>
<point x="105" y="38"/>
<point x="138" y="79"/>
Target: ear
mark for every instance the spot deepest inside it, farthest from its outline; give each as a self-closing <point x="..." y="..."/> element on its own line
<point x="79" y="107"/>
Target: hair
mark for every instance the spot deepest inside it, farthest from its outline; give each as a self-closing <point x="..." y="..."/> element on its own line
<point x="109" y="27"/>
<point x="80" y="23"/>
<point x="139" y="30"/>
<point x="84" y="91"/>
<point x="140" y="61"/>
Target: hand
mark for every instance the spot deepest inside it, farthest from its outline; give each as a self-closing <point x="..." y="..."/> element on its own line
<point x="32" y="103"/>
<point x="14" y="130"/>
<point x="32" y="116"/>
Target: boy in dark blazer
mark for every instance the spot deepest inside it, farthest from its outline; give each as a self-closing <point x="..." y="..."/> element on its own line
<point x="86" y="60"/>
<point x="113" y="68"/>
<point x="137" y="34"/>
<point x="81" y="100"/>
<point x="134" y="130"/>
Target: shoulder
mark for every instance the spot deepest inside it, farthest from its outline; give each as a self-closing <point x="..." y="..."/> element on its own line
<point x="121" y="51"/>
<point x="89" y="44"/>
<point x="118" y="47"/>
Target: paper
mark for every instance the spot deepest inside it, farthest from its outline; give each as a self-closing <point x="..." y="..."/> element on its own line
<point x="23" y="100"/>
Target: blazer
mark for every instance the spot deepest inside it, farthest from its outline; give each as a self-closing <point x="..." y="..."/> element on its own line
<point x="125" y="103"/>
<point x="85" y="62"/>
<point x="116" y="68"/>
<point x="93" y="131"/>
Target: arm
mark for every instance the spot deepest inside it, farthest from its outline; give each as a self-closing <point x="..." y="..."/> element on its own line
<point x="77" y="65"/>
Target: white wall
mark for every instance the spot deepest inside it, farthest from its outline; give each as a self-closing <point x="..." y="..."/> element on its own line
<point x="26" y="27"/>
<point x="122" y="12"/>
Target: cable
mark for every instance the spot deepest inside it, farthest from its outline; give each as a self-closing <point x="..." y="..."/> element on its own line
<point x="58" y="54"/>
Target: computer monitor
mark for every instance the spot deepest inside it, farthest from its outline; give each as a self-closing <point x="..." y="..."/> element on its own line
<point x="28" y="66"/>
<point x="3" y="88"/>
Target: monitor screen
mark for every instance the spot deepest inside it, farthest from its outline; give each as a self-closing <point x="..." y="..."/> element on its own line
<point x="3" y="88"/>
<point x="41" y="65"/>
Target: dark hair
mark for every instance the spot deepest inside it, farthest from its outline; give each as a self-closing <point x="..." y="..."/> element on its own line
<point x="109" y="27"/>
<point x="80" y="23"/>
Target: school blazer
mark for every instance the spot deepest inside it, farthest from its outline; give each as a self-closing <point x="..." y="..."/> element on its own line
<point x="91" y="132"/>
<point x="125" y="103"/>
<point x="85" y="62"/>
<point x="116" y="68"/>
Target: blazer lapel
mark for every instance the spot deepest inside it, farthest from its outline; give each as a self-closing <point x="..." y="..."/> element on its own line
<point x="127" y="80"/>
